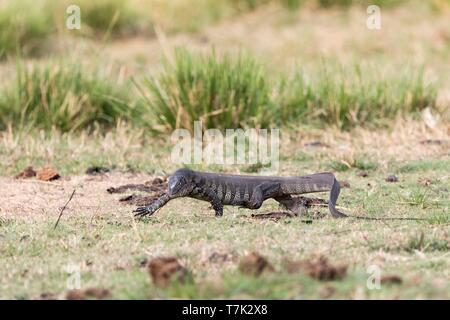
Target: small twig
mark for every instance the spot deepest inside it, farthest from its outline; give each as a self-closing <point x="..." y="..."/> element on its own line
<point x="388" y="218"/>
<point x="63" y="208"/>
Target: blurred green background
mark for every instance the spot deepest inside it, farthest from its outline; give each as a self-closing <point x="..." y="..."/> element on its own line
<point x="160" y="65"/>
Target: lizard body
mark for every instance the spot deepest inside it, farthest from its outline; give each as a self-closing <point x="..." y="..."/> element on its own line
<point x="244" y="190"/>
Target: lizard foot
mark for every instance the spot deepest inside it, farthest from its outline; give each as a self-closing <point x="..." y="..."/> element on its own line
<point x="143" y="211"/>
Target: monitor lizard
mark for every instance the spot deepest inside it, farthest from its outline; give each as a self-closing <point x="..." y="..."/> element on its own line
<point x="244" y="190"/>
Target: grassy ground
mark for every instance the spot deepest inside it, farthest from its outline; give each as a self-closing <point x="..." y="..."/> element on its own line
<point x="378" y="101"/>
<point x="99" y="235"/>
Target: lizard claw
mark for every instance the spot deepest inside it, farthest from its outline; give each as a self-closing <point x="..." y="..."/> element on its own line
<point x="143" y="211"/>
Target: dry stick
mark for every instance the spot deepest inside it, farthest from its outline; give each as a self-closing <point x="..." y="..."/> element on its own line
<point x="63" y="208"/>
<point x="373" y="218"/>
<point x="387" y="218"/>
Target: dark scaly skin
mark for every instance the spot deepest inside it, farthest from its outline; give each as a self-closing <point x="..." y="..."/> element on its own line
<point x="244" y="191"/>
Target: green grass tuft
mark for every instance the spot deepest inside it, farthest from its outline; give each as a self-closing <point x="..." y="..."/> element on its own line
<point x="24" y="28"/>
<point x="426" y="244"/>
<point x="221" y="92"/>
<point x="364" y="163"/>
<point x="230" y="93"/>
<point x="339" y="166"/>
<point x="424" y="165"/>
<point x="420" y="198"/>
<point x="61" y="96"/>
<point x="116" y="17"/>
<point x="347" y="97"/>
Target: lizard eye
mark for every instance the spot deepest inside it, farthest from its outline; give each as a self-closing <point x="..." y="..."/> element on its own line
<point x="173" y="184"/>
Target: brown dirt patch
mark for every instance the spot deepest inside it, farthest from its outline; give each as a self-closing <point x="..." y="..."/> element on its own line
<point x="327" y="291"/>
<point x="391" y="279"/>
<point x="90" y="293"/>
<point x="75" y="295"/>
<point x="32" y="199"/>
<point x="318" y="268"/>
<point x="28" y="172"/>
<point x="255" y="264"/>
<point x="47" y="174"/>
<point x="165" y="270"/>
<point x="98" y="293"/>
<point x="44" y="174"/>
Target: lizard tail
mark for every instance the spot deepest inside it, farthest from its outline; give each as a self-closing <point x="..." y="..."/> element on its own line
<point x="317" y="182"/>
<point x="334" y="194"/>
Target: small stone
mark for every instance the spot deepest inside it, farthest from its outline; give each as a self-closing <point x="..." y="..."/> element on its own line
<point x="363" y="174"/>
<point x="344" y="184"/>
<point x="391" y="178"/>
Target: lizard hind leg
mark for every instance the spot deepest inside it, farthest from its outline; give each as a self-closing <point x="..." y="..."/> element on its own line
<point x="255" y="201"/>
<point x="292" y="204"/>
<point x="261" y="193"/>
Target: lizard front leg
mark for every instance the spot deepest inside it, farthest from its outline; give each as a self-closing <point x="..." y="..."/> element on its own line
<point x="152" y="207"/>
<point x="213" y="198"/>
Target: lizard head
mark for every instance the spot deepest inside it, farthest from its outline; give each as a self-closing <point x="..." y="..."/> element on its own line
<point x="179" y="183"/>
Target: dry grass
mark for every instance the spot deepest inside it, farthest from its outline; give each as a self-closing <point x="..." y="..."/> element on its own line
<point x="126" y="148"/>
<point x="405" y="141"/>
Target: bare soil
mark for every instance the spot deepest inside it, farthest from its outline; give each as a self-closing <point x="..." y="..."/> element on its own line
<point x="31" y="199"/>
